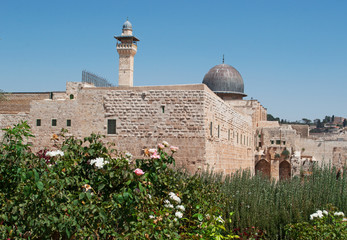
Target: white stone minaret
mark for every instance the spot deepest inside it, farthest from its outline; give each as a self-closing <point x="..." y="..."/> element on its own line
<point x="127" y="48"/>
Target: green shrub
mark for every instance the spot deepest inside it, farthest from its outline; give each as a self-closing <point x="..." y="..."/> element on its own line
<point x="322" y="225"/>
<point x="86" y="190"/>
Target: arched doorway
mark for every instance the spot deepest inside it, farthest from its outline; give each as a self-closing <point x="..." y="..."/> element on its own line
<point x="263" y="168"/>
<point x="285" y="170"/>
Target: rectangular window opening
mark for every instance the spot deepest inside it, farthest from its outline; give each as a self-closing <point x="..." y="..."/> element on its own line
<point x="68" y="123"/>
<point x="163" y="109"/>
<point x="111" y="126"/>
<point x="272" y="141"/>
<point x="211" y="129"/>
<point x="278" y="142"/>
<point x="54" y="122"/>
<point x="38" y="122"/>
<point x="229" y="135"/>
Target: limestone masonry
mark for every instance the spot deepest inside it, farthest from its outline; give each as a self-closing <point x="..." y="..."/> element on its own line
<point x="210" y="123"/>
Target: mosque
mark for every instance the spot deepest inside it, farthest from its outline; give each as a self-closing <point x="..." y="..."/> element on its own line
<point x="211" y="123"/>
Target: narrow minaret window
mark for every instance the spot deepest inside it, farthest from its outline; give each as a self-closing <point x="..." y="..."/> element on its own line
<point x="127" y="48"/>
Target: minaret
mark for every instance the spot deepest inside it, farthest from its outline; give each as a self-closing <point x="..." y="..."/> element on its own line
<point x="127" y="48"/>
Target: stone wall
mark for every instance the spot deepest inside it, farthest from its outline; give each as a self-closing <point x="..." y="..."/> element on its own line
<point x="20" y="102"/>
<point x="340" y="157"/>
<point x="252" y="108"/>
<point x="145" y="116"/>
<point x="321" y="150"/>
<point x="8" y="120"/>
<point x="230" y="144"/>
<point x="302" y="130"/>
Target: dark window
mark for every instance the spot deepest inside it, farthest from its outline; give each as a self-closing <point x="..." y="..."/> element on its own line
<point x="211" y="129"/>
<point x="72" y="96"/>
<point x="54" y="122"/>
<point x="237" y="137"/>
<point x="38" y="122"/>
<point x="50" y="95"/>
<point x="278" y="142"/>
<point x="68" y="123"/>
<point x="111" y="126"/>
<point x="284" y="142"/>
<point x="163" y="109"/>
<point x="272" y="141"/>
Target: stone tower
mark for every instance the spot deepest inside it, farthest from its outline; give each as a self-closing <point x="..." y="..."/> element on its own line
<point x="127" y="48"/>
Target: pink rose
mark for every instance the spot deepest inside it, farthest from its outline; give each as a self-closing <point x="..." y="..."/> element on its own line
<point x="173" y="149"/>
<point x="138" y="172"/>
<point x="161" y="146"/>
<point x="155" y="155"/>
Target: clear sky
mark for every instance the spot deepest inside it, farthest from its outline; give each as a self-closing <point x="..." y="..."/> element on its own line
<point x="291" y="54"/>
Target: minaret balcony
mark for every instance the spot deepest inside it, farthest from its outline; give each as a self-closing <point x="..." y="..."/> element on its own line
<point x="126" y="46"/>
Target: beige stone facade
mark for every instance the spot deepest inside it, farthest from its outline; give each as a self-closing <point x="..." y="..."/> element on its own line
<point x="208" y="131"/>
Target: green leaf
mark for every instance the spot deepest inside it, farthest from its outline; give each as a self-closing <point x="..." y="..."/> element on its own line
<point x="89" y="196"/>
<point x="39" y="185"/>
<point x="128" y="182"/>
<point x="36" y="174"/>
<point x="141" y="187"/>
<point x="67" y="233"/>
<point x="81" y="196"/>
<point x="200" y="217"/>
<point x="26" y="190"/>
<point x="102" y="214"/>
<point x="75" y="202"/>
<point x="101" y="186"/>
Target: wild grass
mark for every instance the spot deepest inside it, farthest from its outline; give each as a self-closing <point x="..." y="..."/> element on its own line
<point x="270" y="205"/>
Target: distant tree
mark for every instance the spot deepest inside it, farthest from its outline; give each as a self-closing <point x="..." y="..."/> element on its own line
<point x="306" y="121"/>
<point x="344" y="122"/>
<point x="272" y="118"/>
<point x="319" y="124"/>
<point x="326" y="119"/>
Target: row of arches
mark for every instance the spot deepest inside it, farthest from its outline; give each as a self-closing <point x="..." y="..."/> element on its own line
<point x="264" y="167"/>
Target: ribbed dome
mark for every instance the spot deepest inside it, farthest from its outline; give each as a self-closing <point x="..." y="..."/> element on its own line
<point x="224" y="78"/>
<point x="127" y="25"/>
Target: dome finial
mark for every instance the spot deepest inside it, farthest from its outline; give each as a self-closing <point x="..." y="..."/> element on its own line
<point x="223" y="58"/>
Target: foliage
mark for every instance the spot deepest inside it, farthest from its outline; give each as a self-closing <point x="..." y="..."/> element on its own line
<point x="269" y="205"/>
<point x="326" y="224"/>
<point x="87" y="190"/>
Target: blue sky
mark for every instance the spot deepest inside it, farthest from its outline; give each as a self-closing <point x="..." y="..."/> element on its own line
<point x="291" y="54"/>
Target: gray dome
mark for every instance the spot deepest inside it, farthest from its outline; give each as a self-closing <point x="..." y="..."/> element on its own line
<point x="224" y="78"/>
<point x="127" y="25"/>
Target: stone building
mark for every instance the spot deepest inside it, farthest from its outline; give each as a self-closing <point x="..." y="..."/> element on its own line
<point x="211" y="123"/>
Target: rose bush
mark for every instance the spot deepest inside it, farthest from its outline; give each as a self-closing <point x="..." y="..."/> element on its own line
<point x="85" y="189"/>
